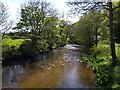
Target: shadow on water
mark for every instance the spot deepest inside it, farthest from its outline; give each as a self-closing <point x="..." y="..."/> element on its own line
<point x="61" y="68"/>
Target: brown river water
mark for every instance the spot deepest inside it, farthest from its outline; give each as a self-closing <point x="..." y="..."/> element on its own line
<point x="60" y="68"/>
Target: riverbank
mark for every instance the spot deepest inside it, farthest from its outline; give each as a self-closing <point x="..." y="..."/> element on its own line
<point x="24" y="48"/>
<point x="107" y="74"/>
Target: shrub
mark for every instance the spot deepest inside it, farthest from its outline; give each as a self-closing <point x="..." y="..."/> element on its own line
<point x="42" y="46"/>
<point x="100" y="59"/>
<point x="30" y="49"/>
<point x="10" y="52"/>
<point x="27" y="49"/>
<point x="117" y="74"/>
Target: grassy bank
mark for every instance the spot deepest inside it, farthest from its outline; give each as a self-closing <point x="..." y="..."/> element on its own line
<point x="10" y="47"/>
<point x="107" y="75"/>
<point x="12" y="42"/>
<point x="25" y="48"/>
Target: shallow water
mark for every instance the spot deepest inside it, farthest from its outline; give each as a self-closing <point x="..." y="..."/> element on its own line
<point x="61" y="68"/>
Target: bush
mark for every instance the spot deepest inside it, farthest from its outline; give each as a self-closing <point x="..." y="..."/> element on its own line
<point x="42" y="46"/>
<point x="117" y="74"/>
<point x="30" y="49"/>
<point x="107" y="75"/>
<point x="10" y="52"/>
<point x="27" y="49"/>
<point x="116" y="86"/>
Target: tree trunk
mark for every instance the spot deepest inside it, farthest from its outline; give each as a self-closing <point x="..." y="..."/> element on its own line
<point x="96" y="36"/>
<point x="112" y="43"/>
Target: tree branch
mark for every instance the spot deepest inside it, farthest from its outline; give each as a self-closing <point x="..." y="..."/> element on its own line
<point x="116" y="7"/>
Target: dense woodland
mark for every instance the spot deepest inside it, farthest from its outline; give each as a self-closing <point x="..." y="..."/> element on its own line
<point x="40" y="29"/>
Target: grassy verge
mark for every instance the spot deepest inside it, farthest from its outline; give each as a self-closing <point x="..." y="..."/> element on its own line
<point x="107" y="75"/>
<point x="14" y="48"/>
<point x="10" y="47"/>
<point x="12" y="42"/>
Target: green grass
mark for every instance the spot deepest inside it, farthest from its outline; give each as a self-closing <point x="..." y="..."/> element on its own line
<point x="13" y="42"/>
<point x="10" y="47"/>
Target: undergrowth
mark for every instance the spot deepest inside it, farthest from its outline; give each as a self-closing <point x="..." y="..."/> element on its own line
<point x="107" y="75"/>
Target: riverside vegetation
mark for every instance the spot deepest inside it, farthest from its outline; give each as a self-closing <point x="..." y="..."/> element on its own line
<point x="40" y="30"/>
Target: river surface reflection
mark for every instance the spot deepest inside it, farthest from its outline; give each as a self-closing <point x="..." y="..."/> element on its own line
<point x="60" y="68"/>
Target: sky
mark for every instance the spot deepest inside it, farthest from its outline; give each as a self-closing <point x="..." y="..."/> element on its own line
<point x="14" y="6"/>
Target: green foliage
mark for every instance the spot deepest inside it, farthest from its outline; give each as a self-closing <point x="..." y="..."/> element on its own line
<point x="10" y="47"/>
<point x="42" y="26"/>
<point x="32" y="18"/>
<point x="116" y="86"/>
<point x="12" y="43"/>
<point x="42" y="46"/>
<point x="100" y="59"/>
<point x="118" y="51"/>
<point x="86" y="30"/>
<point x="44" y="36"/>
<point x="103" y="49"/>
<point x="116" y="72"/>
<point x="92" y="30"/>
<point x="107" y="75"/>
<point x="116" y="23"/>
<point x="27" y="49"/>
<point x="116" y="75"/>
<point x="6" y="36"/>
<point x="104" y="30"/>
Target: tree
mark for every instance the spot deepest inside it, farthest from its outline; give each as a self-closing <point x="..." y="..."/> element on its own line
<point x="33" y="18"/>
<point x="97" y="18"/>
<point x="4" y="24"/>
<point x="86" y="6"/>
<point x="85" y="31"/>
<point x="40" y="20"/>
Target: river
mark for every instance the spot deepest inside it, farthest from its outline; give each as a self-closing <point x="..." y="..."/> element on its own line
<point x="60" y="68"/>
